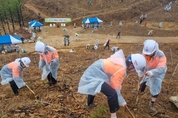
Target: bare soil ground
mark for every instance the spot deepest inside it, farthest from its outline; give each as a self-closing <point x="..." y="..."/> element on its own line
<point x="63" y="101"/>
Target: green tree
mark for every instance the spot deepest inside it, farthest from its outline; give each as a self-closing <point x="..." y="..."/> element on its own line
<point x="11" y="13"/>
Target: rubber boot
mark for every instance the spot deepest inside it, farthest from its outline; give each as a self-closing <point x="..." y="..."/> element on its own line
<point x="90" y="103"/>
<point x="152" y="106"/>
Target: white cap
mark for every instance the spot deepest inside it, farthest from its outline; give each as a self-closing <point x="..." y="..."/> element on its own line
<point x="40" y="47"/>
<point x="150" y="46"/>
<point x="26" y="61"/>
<point x="39" y="38"/>
<point x="138" y="61"/>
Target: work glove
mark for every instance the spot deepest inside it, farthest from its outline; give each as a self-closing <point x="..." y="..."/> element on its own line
<point x="149" y="73"/>
<point x="140" y="73"/>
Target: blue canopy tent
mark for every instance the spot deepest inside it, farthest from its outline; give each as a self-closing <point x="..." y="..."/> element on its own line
<point x="8" y="39"/>
<point x="92" y="22"/>
<point x="36" y="24"/>
<point x="31" y="22"/>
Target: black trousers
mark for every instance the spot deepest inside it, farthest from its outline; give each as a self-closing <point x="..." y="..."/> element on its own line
<point x="118" y="36"/>
<point x="14" y="87"/>
<point x="142" y="89"/>
<point x="111" y="96"/>
<point x="51" y="80"/>
<point x="107" y="45"/>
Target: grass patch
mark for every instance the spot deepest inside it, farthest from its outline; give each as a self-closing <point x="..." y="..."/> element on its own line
<point x="1" y="114"/>
<point x="99" y="112"/>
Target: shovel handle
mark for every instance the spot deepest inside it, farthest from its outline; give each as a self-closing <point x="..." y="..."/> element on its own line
<point x="130" y="111"/>
<point x="30" y="89"/>
<point x="138" y="85"/>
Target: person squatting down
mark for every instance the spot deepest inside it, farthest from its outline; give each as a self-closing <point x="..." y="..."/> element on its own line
<point x="13" y="73"/>
<point x="114" y="49"/>
<point x="106" y="76"/>
<point x="49" y="62"/>
<point x="87" y="46"/>
<point x="155" y="70"/>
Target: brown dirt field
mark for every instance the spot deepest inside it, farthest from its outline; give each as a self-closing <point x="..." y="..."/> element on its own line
<point x="63" y="101"/>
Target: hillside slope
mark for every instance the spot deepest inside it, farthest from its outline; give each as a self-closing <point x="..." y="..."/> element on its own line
<point x="128" y="12"/>
<point x="77" y="9"/>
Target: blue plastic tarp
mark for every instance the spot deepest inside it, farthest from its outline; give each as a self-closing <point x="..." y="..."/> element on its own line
<point x="9" y="39"/>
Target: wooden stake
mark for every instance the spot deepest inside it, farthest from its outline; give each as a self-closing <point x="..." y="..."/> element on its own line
<point x="171" y="57"/>
<point x="174" y="70"/>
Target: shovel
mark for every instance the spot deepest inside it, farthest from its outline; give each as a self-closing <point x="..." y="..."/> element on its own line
<point x="129" y="111"/>
<point x="36" y="96"/>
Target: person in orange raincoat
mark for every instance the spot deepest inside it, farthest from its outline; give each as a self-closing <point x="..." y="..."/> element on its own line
<point x="106" y="76"/>
<point x="12" y="73"/>
<point x="49" y="62"/>
<point x="155" y="70"/>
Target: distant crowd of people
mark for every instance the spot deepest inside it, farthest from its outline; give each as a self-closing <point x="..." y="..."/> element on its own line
<point x="9" y="48"/>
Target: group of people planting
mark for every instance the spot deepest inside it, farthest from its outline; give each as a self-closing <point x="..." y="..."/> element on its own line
<point x="104" y="75"/>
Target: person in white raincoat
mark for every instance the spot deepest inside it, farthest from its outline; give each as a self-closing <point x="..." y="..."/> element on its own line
<point x="106" y="76"/>
<point x="13" y="73"/>
<point x="49" y="62"/>
<point x="155" y="70"/>
<point x="96" y="44"/>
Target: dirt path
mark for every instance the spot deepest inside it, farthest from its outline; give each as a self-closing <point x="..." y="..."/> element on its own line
<point x="36" y="10"/>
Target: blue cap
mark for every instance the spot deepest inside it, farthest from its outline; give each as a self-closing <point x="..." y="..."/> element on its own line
<point x="129" y="58"/>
